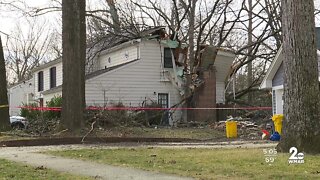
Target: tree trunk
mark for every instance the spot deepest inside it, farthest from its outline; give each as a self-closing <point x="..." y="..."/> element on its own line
<point x="73" y="58"/>
<point x="301" y="126"/>
<point x="250" y="95"/>
<point x="114" y="15"/>
<point x="190" y="114"/>
<point x="4" y="108"/>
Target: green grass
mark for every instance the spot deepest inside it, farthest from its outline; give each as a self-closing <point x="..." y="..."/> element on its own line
<point x="13" y="138"/>
<point x="192" y="133"/>
<point x="203" y="163"/>
<point x="12" y="170"/>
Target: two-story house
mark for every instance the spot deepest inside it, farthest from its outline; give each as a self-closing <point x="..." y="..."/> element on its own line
<point x="135" y="73"/>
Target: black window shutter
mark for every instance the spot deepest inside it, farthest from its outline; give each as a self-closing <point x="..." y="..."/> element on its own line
<point x="40" y="81"/>
<point x="167" y="58"/>
<point x="53" y="77"/>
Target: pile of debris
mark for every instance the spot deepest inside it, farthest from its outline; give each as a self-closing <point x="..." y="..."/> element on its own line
<point x="246" y="129"/>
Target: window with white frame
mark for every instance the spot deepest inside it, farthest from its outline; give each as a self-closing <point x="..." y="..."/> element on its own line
<point x="163" y="100"/>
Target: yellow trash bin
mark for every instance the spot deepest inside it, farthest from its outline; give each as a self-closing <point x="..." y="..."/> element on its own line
<point x="277" y="121"/>
<point x="231" y="129"/>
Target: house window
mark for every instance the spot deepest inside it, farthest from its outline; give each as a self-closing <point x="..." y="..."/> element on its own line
<point x="40" y="81"/>
<point x="163" y="100"/>
<point x="53" y="78"/>
<point x="274" y="107"/>
<point x="167" y="58"/>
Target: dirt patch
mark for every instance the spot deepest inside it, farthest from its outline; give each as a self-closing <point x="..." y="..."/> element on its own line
<point x="88" y="140"/>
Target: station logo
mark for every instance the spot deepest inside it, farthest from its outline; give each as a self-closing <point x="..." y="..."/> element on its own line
<point x="295" y="158"/>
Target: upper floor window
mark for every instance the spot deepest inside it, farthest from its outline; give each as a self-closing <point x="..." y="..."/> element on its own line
<point x="167" y="58"/>
<point x="53" y="79"/>
<point x="40" y="81"/>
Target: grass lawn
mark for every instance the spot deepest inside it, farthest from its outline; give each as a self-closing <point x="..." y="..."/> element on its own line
<point x="12" y="170"/>
<point x="203" y="163"/>
<point x="13" y="135"/>
<point x="192" y="133"/>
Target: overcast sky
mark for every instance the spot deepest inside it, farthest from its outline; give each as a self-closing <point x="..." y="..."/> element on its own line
<point x="11" y="19"/>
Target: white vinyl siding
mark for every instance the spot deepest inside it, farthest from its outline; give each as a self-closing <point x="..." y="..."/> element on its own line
<point x="277" y="101"/>
<point x="119" y="57"/>
<point x="48" y="97"/>
<point x="135" y="83"/>
<point x="220" y="93"/>
<point x="222" y="64"/>
<point x="46" y="78"/>
<point x="20" y="94"/>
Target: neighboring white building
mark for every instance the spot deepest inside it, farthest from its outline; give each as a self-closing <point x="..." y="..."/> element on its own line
<point x="19" y="94"/>
<point x="274" y="80"/>
<point x="134" y="73"/>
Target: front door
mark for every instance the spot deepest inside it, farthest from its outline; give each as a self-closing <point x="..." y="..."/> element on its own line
<point x="163" y="101"/>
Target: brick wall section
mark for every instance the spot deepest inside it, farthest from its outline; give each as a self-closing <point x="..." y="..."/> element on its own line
<point x="205" y="96"/>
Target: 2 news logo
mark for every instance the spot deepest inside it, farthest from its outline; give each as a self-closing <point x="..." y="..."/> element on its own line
<point x="295" y="158"/>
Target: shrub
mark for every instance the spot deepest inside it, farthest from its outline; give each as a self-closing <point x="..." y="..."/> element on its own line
<point x="56" y="101"/>
<point x="152" y="117"/>
<point x="28" y="112"/>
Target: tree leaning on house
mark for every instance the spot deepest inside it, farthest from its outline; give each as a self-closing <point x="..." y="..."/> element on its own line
<point x="4" y="109"/>
<point x="73" y="59"/>
<point x="301" y="126"/>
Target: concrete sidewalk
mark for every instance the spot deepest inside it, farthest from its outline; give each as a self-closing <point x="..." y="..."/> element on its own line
<point x="79" y="167"/>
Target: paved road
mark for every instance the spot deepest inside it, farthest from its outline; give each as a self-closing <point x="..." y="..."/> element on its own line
<point x="32" y="156"/>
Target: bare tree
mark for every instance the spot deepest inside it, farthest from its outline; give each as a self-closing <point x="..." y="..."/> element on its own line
<point x="250" y="9"/>
<point x="301" y="127"/>
<point x="27" y="50"/>
<point x="73" y="58"/>
<point x="265" y="36"/>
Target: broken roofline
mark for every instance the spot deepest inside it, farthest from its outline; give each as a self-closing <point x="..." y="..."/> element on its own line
<point x="115" y="48"/>
<point x="109" y="50"/>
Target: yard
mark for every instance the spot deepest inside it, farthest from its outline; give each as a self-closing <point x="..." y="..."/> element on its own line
<point x="205" y="133"/>
<point x="203" y="163"/>
<point x="12" y="170"/>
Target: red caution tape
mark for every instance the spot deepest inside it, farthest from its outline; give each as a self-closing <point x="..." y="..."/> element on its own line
<point x="143" y="108"/>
